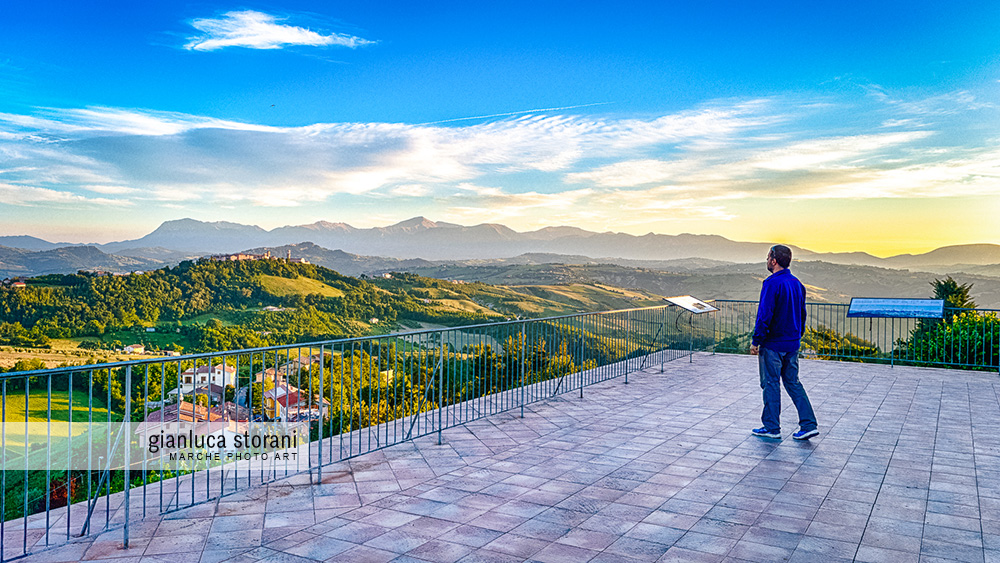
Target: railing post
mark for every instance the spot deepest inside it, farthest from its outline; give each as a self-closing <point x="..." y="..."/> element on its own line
<point x="524" y="344"/>
<point x="582" y="361"/>
<point x="3" y="463"/>
<point x="128" y="446"/>
<point x="892" y="342"/>
<point x="691" y="338"/>
<point x="628" y="319"/>
<point x="319" y="425"/>
<point x="713" y="335"/>
<point x="441" y="388"/>
<point x="48" y="456"/>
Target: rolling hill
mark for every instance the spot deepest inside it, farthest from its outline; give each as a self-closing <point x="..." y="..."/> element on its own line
<point x="65" y="260"/>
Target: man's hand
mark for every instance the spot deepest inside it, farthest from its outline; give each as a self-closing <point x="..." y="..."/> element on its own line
<point x="754" y="350"/>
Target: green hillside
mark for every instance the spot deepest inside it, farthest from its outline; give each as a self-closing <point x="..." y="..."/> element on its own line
<point x="516" y="300"/>
<point x="208" y="306"/>
<point x="283" y="287"/>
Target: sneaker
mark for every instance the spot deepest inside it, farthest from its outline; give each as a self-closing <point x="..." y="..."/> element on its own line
<point x="765" y="433"/>
<point x="805" y="434"/>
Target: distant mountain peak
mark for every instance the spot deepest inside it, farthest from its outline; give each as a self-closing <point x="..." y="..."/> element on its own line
<point x="325" y="226"/>
<point x="419" y="222"/>
<point x="188" y="224"/>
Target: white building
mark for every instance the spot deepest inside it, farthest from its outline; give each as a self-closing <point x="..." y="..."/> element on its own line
<point x="204" y="375"/>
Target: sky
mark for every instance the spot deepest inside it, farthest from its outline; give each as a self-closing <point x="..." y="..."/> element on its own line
<point x="835" y="126"/>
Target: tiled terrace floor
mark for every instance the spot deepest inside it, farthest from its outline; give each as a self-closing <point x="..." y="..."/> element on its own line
<point x="907" y="468"/>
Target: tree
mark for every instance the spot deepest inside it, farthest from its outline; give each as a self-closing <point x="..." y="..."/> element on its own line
<point x="954" y="294"/>
<point x="968" y="340"/>
<point x="256" y="392"/>
<point x="829" y="344"/>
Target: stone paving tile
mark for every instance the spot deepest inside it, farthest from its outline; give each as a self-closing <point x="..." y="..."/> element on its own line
<point x="498" y="521"/>
<point x="363" y="554"/>
<point x="870" y="554"/>
<point x="826" y="548"/>
<point x="745" y="550"/>
<point x="657" y="534"/>
<point x="661" y="469"/>
<point x="233" y="540"/>
<point x="946" y="550"/>
<point x="563" y="553"/>
<point x="271" y="556"/>
<point x="287" y="540"/>
<point x="319" y="547"/>
<point x="707" y="543"/>
<point x="516" y="545"/>
<point x="438" y="552"/>
<point x="175" y="543"/>
<point x="837" y="532"/>
<point x="678" y="554"/>
<point x="486" y="556"/>
<point x="473" y="536"/>
<point x="399" y="541"/>
<point x="218" y="555"/>
<point x="720" y="528"/>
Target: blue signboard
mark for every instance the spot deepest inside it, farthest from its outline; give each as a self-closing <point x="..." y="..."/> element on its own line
<point x="896" y="308"/>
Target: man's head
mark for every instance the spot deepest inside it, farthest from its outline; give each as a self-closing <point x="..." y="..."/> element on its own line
<point x="779" y="255"/>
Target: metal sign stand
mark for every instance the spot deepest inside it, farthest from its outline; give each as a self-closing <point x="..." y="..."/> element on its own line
<point x="694" y="307"/>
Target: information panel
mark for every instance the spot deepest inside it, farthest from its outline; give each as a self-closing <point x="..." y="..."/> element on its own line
<point x="692" y="304"/>
<point x="896" y="308"/>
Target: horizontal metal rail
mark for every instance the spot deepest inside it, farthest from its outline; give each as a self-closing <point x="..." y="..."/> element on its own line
<point x="963" y="339"/>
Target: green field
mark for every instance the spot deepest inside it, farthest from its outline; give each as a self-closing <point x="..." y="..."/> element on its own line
<point x="38" y="406"/>
<point x="38" y="413"/>
<point x="282" y="287"/>
<point x="226" y="317"/>
<point x="587" y="297"/>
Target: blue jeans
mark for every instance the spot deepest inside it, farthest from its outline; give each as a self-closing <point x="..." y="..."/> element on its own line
<point x="777" y="368"/>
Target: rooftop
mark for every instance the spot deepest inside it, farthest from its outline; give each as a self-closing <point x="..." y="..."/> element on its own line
<point x="906" y="468"/>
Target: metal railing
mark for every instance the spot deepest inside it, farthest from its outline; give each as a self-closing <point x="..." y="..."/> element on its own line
<point x="352" y="396"/>
<point x="964" y="339"/>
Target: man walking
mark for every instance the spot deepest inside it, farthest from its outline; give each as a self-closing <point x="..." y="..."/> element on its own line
<point x="781" y="321"/>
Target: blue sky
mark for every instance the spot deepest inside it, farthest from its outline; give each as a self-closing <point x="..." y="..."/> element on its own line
<point x="835" y="127"/>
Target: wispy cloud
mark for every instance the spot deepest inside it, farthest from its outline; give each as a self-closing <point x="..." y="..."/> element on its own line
<point x="411" y="190"/>
<point x="531" y="170"/>
<point x="257" y="30"/>
<point x="784" y="168"/>
<point x="58" y="122"/>
<point x="30" y="196"/>
<point x="836" y="151"/>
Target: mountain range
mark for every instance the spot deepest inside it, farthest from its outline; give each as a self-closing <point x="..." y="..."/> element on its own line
<point x="711" y="266"/>
<point x="424" y="239"/>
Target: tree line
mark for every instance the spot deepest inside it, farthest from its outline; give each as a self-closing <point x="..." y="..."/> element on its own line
<point x="90" y="305"/>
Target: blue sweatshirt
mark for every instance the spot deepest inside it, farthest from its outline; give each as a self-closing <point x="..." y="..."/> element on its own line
<point x="781" y="315"/>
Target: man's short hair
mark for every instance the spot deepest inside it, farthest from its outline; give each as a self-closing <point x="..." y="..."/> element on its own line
<point x="781" y="254"/>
